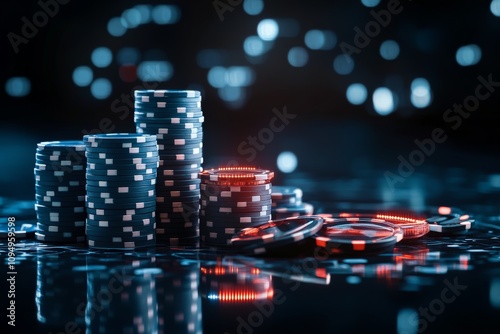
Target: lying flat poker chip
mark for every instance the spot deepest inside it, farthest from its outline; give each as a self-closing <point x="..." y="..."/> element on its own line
<point x="103" y="168"/>
<point x="120" y="206"/>
<point x="115" y="224"/>
<point x="97" y="157"/>
<point x="238" y="197"/>
<point x="236" y="174"/>
<point x="341" y="235"/>
<point x="451" y="224"/>
<point x="234" y="219"/>
<point x="239" y="210"/>
<point x="119" y="212"/>
<point x="215" y="189"/>
<point x="75" y="229"/>
<point x="47" y="209"/>
<point x="278" y="232"/>
<point x="138" y="94"/>
<point x="123" y="162"/>
<point x="168" y="132"/>
<point x="161" y="128"/>
<point x="129" y="151"/>
<point x="70" y="145"/>
<point x="163" y="114"/>
<point x="107" y="194"/>
<point x="57" y="167"/>
<point x="65" y="160"/>
<point x="285" y="192"/>
<point x="132" y="180"/>
<point x="119" y="173"/>
<point x="233" y="215"/>
<point x="118" y="137"/>
<point x="45" y="238"/>
<point x="21" y="230"/>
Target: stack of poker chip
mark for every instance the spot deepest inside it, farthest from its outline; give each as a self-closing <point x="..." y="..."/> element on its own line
<point x="232" y="199"/>
<point x="60" y="191"/>
<point x="176" y="118"/>
<point x="121" y="198"/>
<point x="287" y="202"/>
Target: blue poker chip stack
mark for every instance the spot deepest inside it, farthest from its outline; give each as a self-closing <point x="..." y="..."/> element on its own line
<point x="60" y="191"/>
<point x="121" y="196"/>
<point x="232" y="199"/>
<point x="175" y="118"/>
<point x="287" y="202"/>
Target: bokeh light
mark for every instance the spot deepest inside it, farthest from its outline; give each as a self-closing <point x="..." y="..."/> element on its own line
<point x="83" y="76"/>
<point x="383" y="101"/>
<point x="18" y="86"/>
<point x="356" y="93"/>
<point x="101" y="57"/>
<point x="287" y="162"/>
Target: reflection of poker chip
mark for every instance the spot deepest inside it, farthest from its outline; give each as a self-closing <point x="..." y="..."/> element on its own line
<point x="276" y="233"/>
<point x="348" y="235"/>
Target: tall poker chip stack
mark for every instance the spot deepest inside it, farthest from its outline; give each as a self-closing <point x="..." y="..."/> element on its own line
<point x="120" y="201"/>
<point x="60" y="191"/>
<point x="176" y="118"/>
<point x="287" y="202"/>
<point x="232" y="199"/>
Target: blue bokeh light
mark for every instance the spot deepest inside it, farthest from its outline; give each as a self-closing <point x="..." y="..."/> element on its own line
<point x="297" y="56"/>
<point x="83" y="76"/>
<point x="101" y="57"/>
<point x="18" y="86"/>
<point x="383" y="101"/>
<point x="101" y="88"/>
<point x="268" y="29"/>
<point x="253" y="7"/>
<point x="356" y="93"/>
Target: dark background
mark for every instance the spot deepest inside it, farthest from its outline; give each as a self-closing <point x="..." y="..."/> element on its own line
<point x="329" y="136"/>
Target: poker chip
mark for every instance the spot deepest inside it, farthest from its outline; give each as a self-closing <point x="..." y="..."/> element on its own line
<point x="276" y="233"/>
<point x="21" y="229"/>
<point x="445" y="220"/>
<point x="120" y="192"/>
<point x="412" y="227"/>
<point x="59" y="175"/>
<point x="292" y="210"/>
<point x="175" y="118"/>
<point x="353" y="234"/>
<point x="227" y="206"/>
<point x="286" y="195"/>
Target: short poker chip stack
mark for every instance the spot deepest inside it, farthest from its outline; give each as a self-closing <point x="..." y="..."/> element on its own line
<point x="175" y="118"/>
<point x="60" y="191"/>
<point x="232" y="199"/>
<point x="121" y="196"/>
<point x="287" y="202"/>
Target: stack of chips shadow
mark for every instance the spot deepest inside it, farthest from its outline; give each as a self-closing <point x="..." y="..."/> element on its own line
<point x="60" y="191"/>
<point x="175" y="118"/>
<point x="179" y="304"/>
<point x="287" y="202"/>
<point x="121" y="179"/>
<point x="232" y="199"/>
<point x="60" y="290"/>
<point x="121" y="300"/>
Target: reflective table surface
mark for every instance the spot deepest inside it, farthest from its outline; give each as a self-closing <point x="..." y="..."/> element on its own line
<point x="435" y="284"/>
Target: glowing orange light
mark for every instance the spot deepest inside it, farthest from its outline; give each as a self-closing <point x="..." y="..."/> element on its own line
<point x="444" y="210"/>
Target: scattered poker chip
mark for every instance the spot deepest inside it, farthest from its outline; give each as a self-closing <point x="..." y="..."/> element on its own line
<point x="449" y="224"/>
<point x="277" y="233"/>
<point x="20" y="230"/>
<point x="412" y="227"/>
<point x="348" y="235"/>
